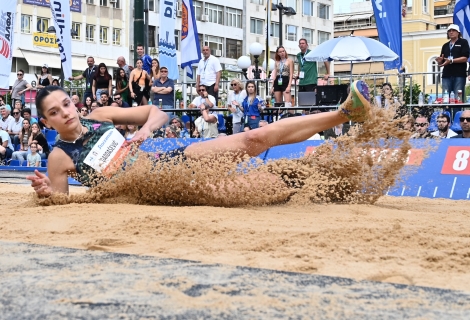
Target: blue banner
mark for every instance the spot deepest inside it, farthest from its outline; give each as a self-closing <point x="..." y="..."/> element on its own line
<point x="75" y="5"/>
<point x="388" y="19"/>
<point x="462" y="17"/>
<point x="166" y="43"/>
<point x="190" y="46"/>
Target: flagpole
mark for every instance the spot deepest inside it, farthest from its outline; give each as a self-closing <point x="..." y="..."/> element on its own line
<point x="268" y="26"/>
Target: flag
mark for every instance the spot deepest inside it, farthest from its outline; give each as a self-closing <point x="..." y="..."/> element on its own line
<point x="462" y="17"/>
<point x="62" y="24"/>
<point x="166" y="43"/>
<point x="190" y="46"/>
<point x="7" y="23"/>
<point x="268" y="34"/>
<point x="388" y="15"/>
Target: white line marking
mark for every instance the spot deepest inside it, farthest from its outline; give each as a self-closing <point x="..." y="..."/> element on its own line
<point x="435" y="191"/>
<point x="419" y="191"/>
<point x="403" y="190"/>
<point x="468" y="193"/>
<point x="453" y="187"/>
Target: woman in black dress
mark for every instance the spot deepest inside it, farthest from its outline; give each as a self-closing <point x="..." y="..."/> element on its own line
<point x="45" y="78"/>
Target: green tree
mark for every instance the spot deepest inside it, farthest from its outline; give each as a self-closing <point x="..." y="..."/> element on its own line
<point x="77" y="86"/>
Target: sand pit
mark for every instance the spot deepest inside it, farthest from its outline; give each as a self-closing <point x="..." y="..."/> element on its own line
<point x="403" y="240"/>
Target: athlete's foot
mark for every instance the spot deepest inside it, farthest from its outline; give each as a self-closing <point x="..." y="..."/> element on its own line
<point x="357" y="106"/>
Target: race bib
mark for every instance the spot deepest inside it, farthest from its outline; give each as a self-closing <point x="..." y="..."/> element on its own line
<point x="301" y="75"/>
<point x="108" y="155"/>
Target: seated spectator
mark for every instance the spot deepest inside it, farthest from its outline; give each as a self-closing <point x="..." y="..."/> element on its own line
<point x="203" y="99"/>
<point x="6" y="147"/>
<point x="38" y="137"/>
<point x="24" y="139"/>
<point x="183" y="132"/>
<point x="421" y="129"/>
<point x="443" y="127"/>
<point x="18" y="105"/>
<point x="121" y="103"/>
<point x="339" y="130"/>
<point x="15" y="126"/>
<point x="104" y="98"/>
<point x="55" y="82"/>
<point x="464" y="124"/>
<point x="206" y="124"/>
<point x="131" y="130"/>
<point x="94" y="105"/>
<point x="410" y="123"/>
<point x="34" y="159"/>
<point x="172" y="131"/>
<point x="84" y="111"/>
<point x="26" y="113"/>
<point x="76" y="101"/>
<point x="6" y="118"/>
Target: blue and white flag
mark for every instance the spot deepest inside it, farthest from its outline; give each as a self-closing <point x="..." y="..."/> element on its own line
<point x="7" y="24"/>
<point x="462" y="17"/>
<point x="62" y="24"/>
<point x="190" y="46"/>
<point x="388" y="16"/>
<point x="166" y="43"/>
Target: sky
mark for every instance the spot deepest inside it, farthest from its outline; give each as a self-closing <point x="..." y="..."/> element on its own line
<point x="342" y="6"/>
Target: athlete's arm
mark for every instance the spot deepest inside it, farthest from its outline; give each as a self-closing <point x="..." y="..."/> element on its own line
<point x="149" y="117"/>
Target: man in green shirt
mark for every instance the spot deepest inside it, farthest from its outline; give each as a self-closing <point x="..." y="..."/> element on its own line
<point x="308" y="69"/>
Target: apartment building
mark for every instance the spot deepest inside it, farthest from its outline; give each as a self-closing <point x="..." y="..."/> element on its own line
<point x="100" y="29"/>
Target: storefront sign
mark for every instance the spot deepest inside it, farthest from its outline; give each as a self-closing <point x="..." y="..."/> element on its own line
<point x="75" y="5"/>
<point x="45" y="40"/>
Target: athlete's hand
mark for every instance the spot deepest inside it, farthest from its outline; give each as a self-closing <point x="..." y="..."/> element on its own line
<point x="139" y="137"/>
<point x="41" y="184"/>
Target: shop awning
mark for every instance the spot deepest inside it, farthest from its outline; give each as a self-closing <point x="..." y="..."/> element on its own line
<point x="36" y="58"/>
<point x="441" y="3"/>
<point x="361" y="16"/>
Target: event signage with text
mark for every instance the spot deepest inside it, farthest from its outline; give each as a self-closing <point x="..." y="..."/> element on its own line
<point x="7" y="24"/>
<point x="75" y="5"/>
<point x="41" y="39"/>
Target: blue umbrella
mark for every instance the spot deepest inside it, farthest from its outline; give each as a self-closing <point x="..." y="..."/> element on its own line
<point x="351" y="48"/>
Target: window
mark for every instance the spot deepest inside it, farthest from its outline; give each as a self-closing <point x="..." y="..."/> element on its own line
<point x="42" y="25"/>
<point x="233" y="48"/>
<point x="425" y="6"/>
<point x="90" y="33"/>
<point x="177" y="39"/>
<point x="256" y="26"/>
<point x="307" y="34"/>
<point x="323" y="11"/>
<point x="323" y="36"/>
<point x="26" y="23"/>
<point x="291" y="33"/>
<point x="308" y="8"/>
<point x="291" y="3"/>
<point x="152" y="34"/>
<point x="116" y="37"/>
<point x="77" y="27"/>
<point x="274" y="29"/>
<point x="197" y="9"/>
<point x="90" y="1"/>
<point x="152" y="5"/>
<point x="434" y="68"/>
<point x="257" y="1"/>
<point x="201" y="40"/>
<point x="104" y="3"/>
<point x="233" y="17"/>
<point x="104" y="35"/>
<point x="116" y="4"/>
<point x="214" y="43"/>
<point x="215" y="13"/>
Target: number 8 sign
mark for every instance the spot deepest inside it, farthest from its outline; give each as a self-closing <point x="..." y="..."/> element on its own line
<point x="457" y="161"/>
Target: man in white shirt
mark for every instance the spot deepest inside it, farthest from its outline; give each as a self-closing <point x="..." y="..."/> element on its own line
<point x="209" y="71"/>
<point x="6" y="148"/>
<point x="5" y="118"/>
<point x="206" y="124"/>
<point x="443" y="126"/>
<point x="15" y="126"/>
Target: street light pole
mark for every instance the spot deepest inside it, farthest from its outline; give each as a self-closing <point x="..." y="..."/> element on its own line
<point x="288" y="11"/>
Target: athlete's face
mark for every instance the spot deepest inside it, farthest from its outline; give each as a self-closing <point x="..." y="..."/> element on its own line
<point x="60" y="112"/>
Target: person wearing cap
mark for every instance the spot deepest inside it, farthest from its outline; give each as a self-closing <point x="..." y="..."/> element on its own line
<point x="453" y="58"/>
<point x="45" y="78"/>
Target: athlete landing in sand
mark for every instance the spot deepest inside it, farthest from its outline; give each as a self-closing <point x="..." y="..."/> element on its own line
<point x="75" y="153"/>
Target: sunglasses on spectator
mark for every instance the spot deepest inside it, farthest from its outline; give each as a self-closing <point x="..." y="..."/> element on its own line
<point x="421" y="124"/>
<point x="233" y="84"/>
<point x="19" y="74"/>
<point x="16" y="113"/>
<point x="117" y="98"/>
<point x="202" y="90"/>
<point x="462" y="119"/>
<point x="164" y="71"/>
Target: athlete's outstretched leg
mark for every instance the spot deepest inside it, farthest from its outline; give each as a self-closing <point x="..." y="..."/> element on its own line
<point x="286" y="131"/>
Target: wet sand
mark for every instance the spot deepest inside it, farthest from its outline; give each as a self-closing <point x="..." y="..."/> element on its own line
<point x="403" y="240"/>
